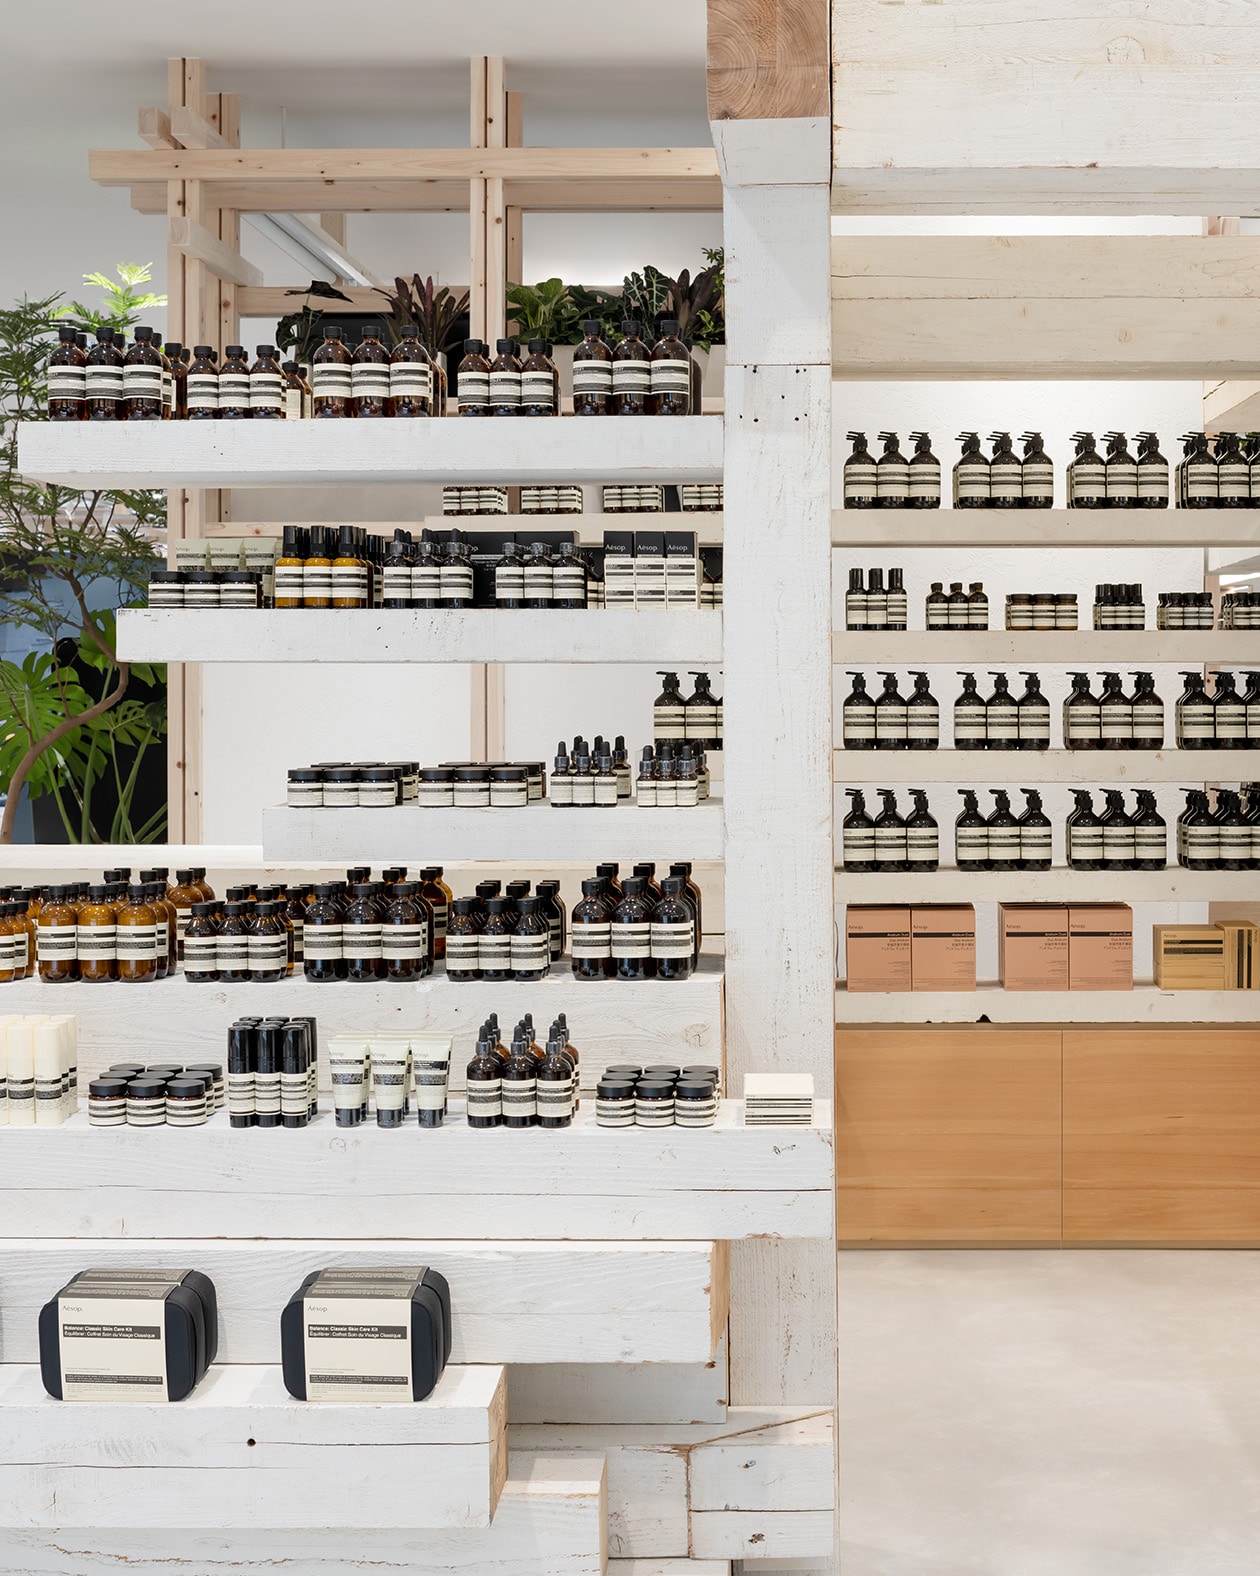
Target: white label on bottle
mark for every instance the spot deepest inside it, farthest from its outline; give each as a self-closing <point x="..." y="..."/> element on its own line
<point x="232" y="951"/>
<point x="538" y="582"/>
<point x="591" y="941"/>
<point x="484" y="1097"/>
<point x="538" y="388"/>
<point x="1122" y="481"/>
<point x="1117" y="842"/>
<point x="1002" y="720"/>
<point x="1152" y="481"/>
<point x="1148" y="722"/>
<point x="136" y="943"/>
<point x="922" y="845"/>
<point x="631" y="377"/>
<point x="426" y="582"/>
<point x="233" y="390"/>
<point x="1085" y="842"/>
<point x="1203" y="842"/>
<point x="405" y="942"/>
<point x="1035" y="842"/>
<point x="1196" y="720"/>
<point x="321" y="943"/>
<point x="95" y="943"/>
<point x="666" y="793"/>
<point x="1037" y="478"/>
<point x="396" y="582"/>
<point x="892" y="479"/>
<point x="859" y="478"/>
<point x="473" y="390"/>
<point x="141" y="381"/>
<point x="971" y="843"/>
<point x="463" y="951"/>
<point x="1201" y="479"/>
<point x="859" y="723"/>
<point x="1004" y="842"/>
<point x="67" y="382"/>
<point x="520" y="1097"/>
<point x="530" y="953"/>
<point x="370" y="380"/>
<point x="1082" y="722"/>
<point x="112" y="1344"/>
<point x="411" y="380"/>
<point x="266" y="390"/>
<point x="267" y="951"/>
<point x="971" y="481"/>
<point x="1034" y="724"/>
<point x="509" y="582"/>
<point x="509" y="796"/>
<point x="329" y="380"/>
<point x="104" y="382"/>
<point x="1116" y="723"/>
<point x="1234" y="481"/>
<point x="505" y="388"/>
<point x="592" y="378"/>
<point x="1088" y="480"/>
<point x="669" y="721"/>
<point x="455" y="582"/>
<point x="289" y="582"/>
<point x="970" y="724"/>
<point x="631" y="939"/>
<point x="350" y="581"/>
<point x="890" y="723"/>
<point x="361" y="941"/>
<point x="890" y="844"/>
<point x="673" y="940"/>
<point x="859" y="844"/>
<point x="294" y="403"/>
<point x="201" y="954"/>
<point x="555" y="1098"/>
<point x="56" y="943"/>
<point x="494" y="949"/>
<point x="1151" y="842"/>
<point x="671" y="377"/>
<point x="1231" y="720"/>
<point x="925" y="481"/>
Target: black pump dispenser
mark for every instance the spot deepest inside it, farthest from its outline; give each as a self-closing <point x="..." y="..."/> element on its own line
<point x="923" y="838"/>
<point x="971" y="834"/>
<point x="890" y="834"/>
<point x="857" y="834"/>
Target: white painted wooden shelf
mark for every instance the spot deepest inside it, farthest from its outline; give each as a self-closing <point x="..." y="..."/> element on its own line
<point x="1060" y="885"/>
<point x="308" y="453"/>
<point x="675" y="636"/>
<point x="133" y="856"/>
<point x="708" y="524"/>
<point x="584" y="1182"/>
<point x="1076" y="648"/>
<point x="514" y="1301"/>
<point x="610" y="1020"/>
<point x="1143" y="1004"/>
<point x="539" y="833"/>
<point x="1108" y="768"/>
<point x="896" y="528"/>
<point x="551" y="1517"/>
<point x="240" y="1452"/>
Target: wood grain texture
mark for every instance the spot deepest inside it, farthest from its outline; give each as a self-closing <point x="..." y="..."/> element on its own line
<point x="948" y="1135"/>
<point x="1143" y="1004"/>
<point x="1054" y="527"/>
<point x="589" y="1183"/>
<point x="154" y="127"/>
<point x="768" y="59"/>
<point x="620" y="1393"/>
<point x="759" y="1535"/>
<point x="1055" y="766"/>
<point x="1232" y="406"/>
<point x="242" y="1453"/>
<point x="1091" y="647"/>
<point x="550" y="1522"/>
<point x="950" y="885"/>
<point x="522" y="1302"/>
<point x="227" y="264"/>
<point x="777" y="238"/>
<point x="1161" y="1135"/>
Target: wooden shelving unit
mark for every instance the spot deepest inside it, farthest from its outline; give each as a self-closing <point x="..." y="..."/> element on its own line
<point x="989" y="1003"/>
<point x="1058" y="885"/>
<point x="1033" y="528"/>
<point x="1118" y="768"/>
<point x="1076" y="648"/>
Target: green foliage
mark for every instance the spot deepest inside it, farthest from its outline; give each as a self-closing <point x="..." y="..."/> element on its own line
<point x="646" y="297"/>
<point x="123" y="301"/>
<point x="604" y="306"/>
<point x="55" y="543"/>
<point x="544" y="311"/>
<point x="431" y="307"/>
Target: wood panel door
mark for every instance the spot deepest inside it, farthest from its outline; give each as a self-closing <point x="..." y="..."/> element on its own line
<point x="948" y="1134"/>
<point x="1161" y="1135"/>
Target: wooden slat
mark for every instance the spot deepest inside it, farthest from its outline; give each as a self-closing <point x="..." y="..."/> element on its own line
<point x="768" y="59"/>
<point x="948" y="1135"/>
<point x="154" y="127"/>
<point x="692" y="195"/>
<point x="1161" y="1135"/>
<point x="761" y="1535"/>
<point x="277" y="300"/>
<point x="122" y="167"/>
<point x="192" y="130"/>
<point x="194" y="240"/>
<point x="1044" y="306"/>
<point x="620" y="1393"/>
<point x="1232" y="407"/>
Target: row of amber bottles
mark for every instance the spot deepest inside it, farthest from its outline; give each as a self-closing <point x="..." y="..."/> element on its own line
<point x="107" y="931"/>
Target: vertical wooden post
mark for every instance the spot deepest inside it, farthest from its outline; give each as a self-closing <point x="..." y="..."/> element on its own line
<point x="769" y="108"/>
<point x="513" y="227"/>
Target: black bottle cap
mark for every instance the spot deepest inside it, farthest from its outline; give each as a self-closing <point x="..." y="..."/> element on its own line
<point x="109" y="1086"/>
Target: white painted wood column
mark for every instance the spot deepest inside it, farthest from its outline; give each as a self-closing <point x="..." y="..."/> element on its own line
<point x="777" y="692"/>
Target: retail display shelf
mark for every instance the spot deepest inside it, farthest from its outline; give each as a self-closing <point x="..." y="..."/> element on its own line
<point x="240" y="1452"/>
<point x="310" y="453"/>
<point x="515" y="1301"/>
<point x="1060" y="885"/>
<point x="1145" y="1003"/>
<point x="538" y="832"/>
<point x="585" y="1182"/>
<point x="1045" y="528"/>
<point x="91" y="857"/>
<point x="1077" y="648"/>
<point x="610" y="1020"/>
<point x="1109" y="768"/>
<point x="708" y="524"/>
<point x="675" y="636"/>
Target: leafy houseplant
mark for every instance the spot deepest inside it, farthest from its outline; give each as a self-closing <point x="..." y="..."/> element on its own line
<point x="431" y="308"/>
<point x="546" y="310"/>
<point x="123" y="301"/>
<point x="58" y="549"/>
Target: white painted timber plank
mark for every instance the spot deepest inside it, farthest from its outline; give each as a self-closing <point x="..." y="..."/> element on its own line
<point x="514" y="1302"/>
<point x="550" y="1522"/>
<point x="1116" y="136"/>
<point x="762" y="1534"/>
<point x="1075" y="648"/>
<point x="242" y="1453"/>
<point x="990" y="1003"/>
<point x="1048" y="527"/>
<point x="777" y="238"/>
<point x="949" y="885"/>
<point x="785" y="1464"/>
<point x="794" y="151"/>
<point x="659" y="1567"/>
<point x="620" y="1393"/>
<point x="1231" y="407"/>
<point x="585" y="1182"/>
<point x="305" y="453"/>
<point x="676" y="636"/>
<point x="104" y="856"/>
<point x="611" y="1020"/>
<point x="539" y="832"/>
<point x="1114" y="768"/>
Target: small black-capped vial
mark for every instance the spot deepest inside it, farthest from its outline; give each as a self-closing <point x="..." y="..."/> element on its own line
<point x="241" y="1067"/>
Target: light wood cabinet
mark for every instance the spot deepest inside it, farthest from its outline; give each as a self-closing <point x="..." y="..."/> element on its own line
<point x="948" y="1134"/>
<point x="1161" y="1135"/>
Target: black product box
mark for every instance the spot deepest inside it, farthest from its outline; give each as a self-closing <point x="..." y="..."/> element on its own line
<point x="171" y="1324"/>
<point x="358" y="1317"/>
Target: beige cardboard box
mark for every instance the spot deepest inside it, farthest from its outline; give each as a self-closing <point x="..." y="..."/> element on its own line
<point x="1100" y="946"/>
<point x="943" y="947"/>
<point x="1190" y="957"/>
<point x="877" y="947"/>
<point x="1033" y="946"/>
<point x="1242" y="954"/>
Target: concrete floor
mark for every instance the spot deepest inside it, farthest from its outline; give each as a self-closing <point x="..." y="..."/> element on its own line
<point x="1050" y="1413"/>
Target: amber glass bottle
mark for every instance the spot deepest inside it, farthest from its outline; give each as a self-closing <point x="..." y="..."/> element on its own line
<point x="103" y="365"/>
<point x="592" y="373"/>
<point x="96" y="937"/>
<point x="631" y="372"/>
<point x="266" y="385"/>
<point x="232" y="942"/>
<point x="67" y="379"/>
<point x="202" y="385"/>
<point x="183" y="895"/>
<point x="505" y="380"/>
<point x="369" y="376"/>
<point x="136" y="938"/>
<point x="411" y="375"/>
<point x="351" y="572"/>
<point x="332" y="377"/>
<point x="671" y="373"/>
<point x="472" y="381"/>
<point x="405" y="940"/>
<point x="234" y="385"/>
<point x="297" y="393"/>
<point x="538" y="393"/>
<point x="437" y="895"/>
<point x="56" y="937"/>
<point x="22" y="904"/>
<point x="177" y="405"/>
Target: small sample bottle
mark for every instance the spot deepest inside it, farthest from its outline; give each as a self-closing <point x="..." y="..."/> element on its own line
<point x="556" y="1088"/>
<point x="298" y="400"/>
<point x="520" y="1085"/>
<point x="593" y="373"/>
<point x="332" y="377"/>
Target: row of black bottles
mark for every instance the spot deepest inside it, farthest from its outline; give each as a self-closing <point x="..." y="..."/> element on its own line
<point x="1004" y="482"/>
<point x="870" y="604"/>
<point x="1224" y="836"/>
<point x="696" y="718"/>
